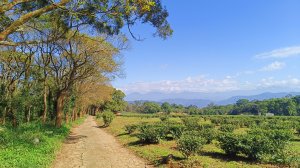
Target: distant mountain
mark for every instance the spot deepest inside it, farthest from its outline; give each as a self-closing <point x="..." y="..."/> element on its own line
<point x="158" y="96"/>
<point x="203" y="99"/>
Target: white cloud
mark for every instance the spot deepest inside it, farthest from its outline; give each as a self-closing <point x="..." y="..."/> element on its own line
<point x="280" y="53"/>
<point x="274" y="66"/>
<point x="208" y="85"/>
<point x="284" y="83"/>
<point x="193" y="84"/>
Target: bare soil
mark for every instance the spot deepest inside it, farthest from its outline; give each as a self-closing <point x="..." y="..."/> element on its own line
<point x="88" y="146"/>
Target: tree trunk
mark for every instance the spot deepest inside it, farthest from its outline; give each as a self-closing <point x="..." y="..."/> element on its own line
<point x="4" y="115"/>
<point x="67" y="118"/>
<point x="45" y="104"/>
<point x="59" y="108"/>
<point x="14" y="119"/>
<point x="28" y="115"/>
<point x="74" y="113"/>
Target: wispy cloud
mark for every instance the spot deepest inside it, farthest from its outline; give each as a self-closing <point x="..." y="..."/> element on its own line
<point x="274" y="66"/>
<point x="293" y="83"/>
<point x="193" y="84"/>
<point x="209" y="85"/>
<point x="280" y="53"/>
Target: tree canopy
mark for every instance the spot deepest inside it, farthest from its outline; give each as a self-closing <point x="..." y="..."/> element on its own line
<point x="19" y="17"/>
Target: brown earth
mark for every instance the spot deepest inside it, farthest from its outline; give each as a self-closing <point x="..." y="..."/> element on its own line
<point x="88" y="146"/>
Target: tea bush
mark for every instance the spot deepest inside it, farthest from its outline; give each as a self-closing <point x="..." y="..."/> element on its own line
<point x="190" y="143"/>
<point x="130" y="128"/>
<point x="230" y="143"/>
<point x="176" y="130"/>
<point x="191" y="123"/>
<point x="227" y="128"/>
<point x="164" y="118"/>
<point x="108" y="117"/>
<point x="151" y="133"/>
<point x="256" y="144"/>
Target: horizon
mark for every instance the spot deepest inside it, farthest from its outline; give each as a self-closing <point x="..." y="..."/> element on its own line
<point x="218" y="47"/>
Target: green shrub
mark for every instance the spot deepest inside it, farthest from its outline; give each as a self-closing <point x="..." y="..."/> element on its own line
<point x="164" y="118"/>
<point x="191" y="123"/>
<point x="151" y="133"/>
<point x="98" y="115"/>
<point x="272" y="142"/>
<point x="209" y="134"/>
<point x="108" y="117"/>
<point x="206" y="126"/>
<point x="189" y="143"/>
<point x="257" y="144"/>
<point x="230" y="143"/>
<point x="227" y="128"/>
<point x="298" y="130"/>
<point x="176" y="130"/>
<point x="130" y="128"/>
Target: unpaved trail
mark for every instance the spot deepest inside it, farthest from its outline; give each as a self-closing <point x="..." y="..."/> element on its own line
<point x="91" y="147"/>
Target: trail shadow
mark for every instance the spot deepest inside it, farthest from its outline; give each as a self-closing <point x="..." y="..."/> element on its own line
<point x="224" y="157"/>
<point x="295" y="140"/>
<point x="72" y="139"/>
<point x="166" y="160"/>
<point x="137" y="143"/>
<point x="122" y="134"/>
<point x="103" y="126"/>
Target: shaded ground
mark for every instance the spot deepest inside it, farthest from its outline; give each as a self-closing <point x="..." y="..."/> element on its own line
<point x="91" y="147"/>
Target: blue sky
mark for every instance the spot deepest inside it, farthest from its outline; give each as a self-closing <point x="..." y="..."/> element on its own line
<point x="218" y="46"/>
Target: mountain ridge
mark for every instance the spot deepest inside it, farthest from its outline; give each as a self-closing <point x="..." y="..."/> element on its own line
<point x="204" y="102"/>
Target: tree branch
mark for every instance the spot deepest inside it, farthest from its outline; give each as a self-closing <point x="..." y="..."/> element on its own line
<point x="9" y="6"/>
<point x="25" y="18"/>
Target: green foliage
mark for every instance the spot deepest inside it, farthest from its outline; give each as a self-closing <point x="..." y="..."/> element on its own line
<point x="117" y="103"/>
<point x="227" y="128"/>
<point x="176" y="130"/>
<point x="230" y="143"/>
<point x="108" y="117"/>
<point x="151" y="107"/>
<point x="209" y="134"/>
<point x="191" y="123"/>
<point x="164" y="118"/>
<point x="98" y="115"/>
<point x="131" y="128"/>
<point x="257" y="144"/>
<point x="150" y="134"/>
<point x="298" y="130"/>
<point x="166" y="107"/>
<point x="190" y="143"/>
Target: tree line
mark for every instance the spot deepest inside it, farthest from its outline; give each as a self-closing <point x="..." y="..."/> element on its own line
<point x="287" y="106"/>
<point x="57" y="58"/>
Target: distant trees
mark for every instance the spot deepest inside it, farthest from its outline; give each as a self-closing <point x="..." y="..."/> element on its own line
<point x="166" y="107"/>
<point x="151" y="107"/>
<point x="287" y="106"/>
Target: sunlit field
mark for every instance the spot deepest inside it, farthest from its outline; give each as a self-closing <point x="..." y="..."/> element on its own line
<point x="211" y="155"/>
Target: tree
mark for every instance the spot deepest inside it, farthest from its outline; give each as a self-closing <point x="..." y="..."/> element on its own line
<point x="116" y="103"/>
<point x="18" y="17"/>
<point x="77" y="59"/>
<point x="166" y="107"/>
<point x="151" y="107"/>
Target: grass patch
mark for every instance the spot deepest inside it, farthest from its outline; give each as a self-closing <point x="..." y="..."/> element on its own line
<point x="31" y="145"/>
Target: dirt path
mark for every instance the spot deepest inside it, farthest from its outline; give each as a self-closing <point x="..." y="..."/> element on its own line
<point x="91" y="147"/>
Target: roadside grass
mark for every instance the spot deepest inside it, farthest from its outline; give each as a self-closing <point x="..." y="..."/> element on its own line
<point x="31" y="145"/>
<point x="210" y="157"/>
